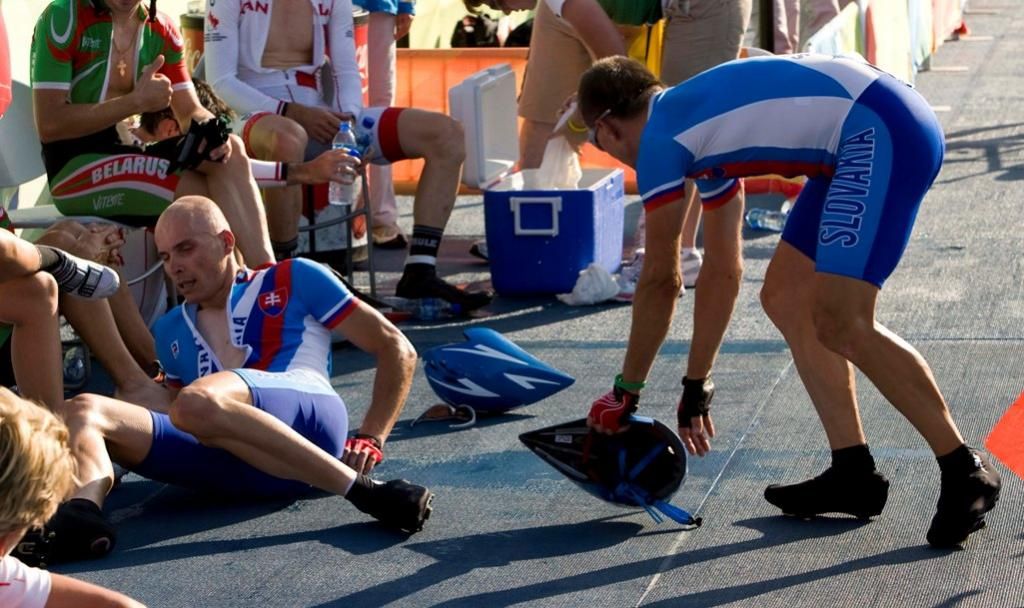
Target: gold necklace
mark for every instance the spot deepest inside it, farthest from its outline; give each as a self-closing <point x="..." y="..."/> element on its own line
<point x="121" y="65"/>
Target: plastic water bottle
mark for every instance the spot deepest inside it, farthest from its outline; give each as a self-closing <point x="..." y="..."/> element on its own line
<point x="344" y="195"/>
<point x="766" y="219"/>
<point x="424" y="309"/>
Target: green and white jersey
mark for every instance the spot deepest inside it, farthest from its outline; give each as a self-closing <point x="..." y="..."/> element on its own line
<point x="72" y="50"/>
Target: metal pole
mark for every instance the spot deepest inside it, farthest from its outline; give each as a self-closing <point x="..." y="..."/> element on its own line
<point x="766" y="25"/>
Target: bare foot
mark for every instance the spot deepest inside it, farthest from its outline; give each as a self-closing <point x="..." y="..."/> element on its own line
<point x="148" y="394"/>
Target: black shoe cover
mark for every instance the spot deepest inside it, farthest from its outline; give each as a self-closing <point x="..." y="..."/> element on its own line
<point x="416" y="285"/>
<point x="963" y="501"/>
<point x="861" y="494"/>
<point x="397" y="503"/>
<point x="77" y="531"/>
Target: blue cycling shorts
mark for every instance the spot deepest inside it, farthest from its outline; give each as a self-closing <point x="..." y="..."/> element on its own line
<point x="857" y="222"/>
<point x="302" y="399"/>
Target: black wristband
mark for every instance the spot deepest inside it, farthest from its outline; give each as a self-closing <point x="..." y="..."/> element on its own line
<point x="696" y="399"/>
<point x="375" y="440"/>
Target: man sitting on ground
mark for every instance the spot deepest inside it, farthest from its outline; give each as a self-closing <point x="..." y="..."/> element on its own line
<point x="264" y="63"/>
<point x="253" y="413"/>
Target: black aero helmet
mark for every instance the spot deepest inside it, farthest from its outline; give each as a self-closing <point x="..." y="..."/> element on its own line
<point x="642" y="466"/>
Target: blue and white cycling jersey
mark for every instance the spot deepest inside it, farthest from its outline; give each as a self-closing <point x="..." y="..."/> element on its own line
<point x="757" y="116"/>
<point x="280" y="316"/>
<point x="869" y="145"/>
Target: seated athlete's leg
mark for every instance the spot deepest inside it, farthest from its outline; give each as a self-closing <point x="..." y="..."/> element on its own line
<point x="94" y="322"/>
<point x="244" y="411"/>
<point x="409" y="133"/>
<point x="230" y="184"/>
<point x="18" y="257"/>
<point x="133" y="329"/>
<point x="29" y="303"/>
<point x="281" y="139"/>
<point x="440" y="142"/>
<point x="98" y="428"/>
<point x="103" y="430"/>
<point x="218" y="410"/>
<point x="787" y="297"/>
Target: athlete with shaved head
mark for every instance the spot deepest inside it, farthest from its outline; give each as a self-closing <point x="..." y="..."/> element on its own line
<point x="247" y="358"/>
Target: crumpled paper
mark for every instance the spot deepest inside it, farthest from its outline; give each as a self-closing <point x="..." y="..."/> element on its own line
<point x="595" y="285"/>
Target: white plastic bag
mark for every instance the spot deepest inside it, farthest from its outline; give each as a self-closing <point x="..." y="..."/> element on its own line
<point x="560" y="169"/>
<point x="595" y="285"/>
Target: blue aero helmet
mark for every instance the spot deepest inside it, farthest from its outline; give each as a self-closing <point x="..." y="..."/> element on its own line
<point x="490" y="374"/>
<point x="642" y="466"/>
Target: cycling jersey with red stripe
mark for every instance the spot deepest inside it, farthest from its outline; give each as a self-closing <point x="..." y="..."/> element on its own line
<point x="756" y="116"/>
<point x="280" y="316"/>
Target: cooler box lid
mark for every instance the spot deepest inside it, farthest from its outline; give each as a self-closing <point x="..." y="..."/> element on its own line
<point x="485" y="104"/>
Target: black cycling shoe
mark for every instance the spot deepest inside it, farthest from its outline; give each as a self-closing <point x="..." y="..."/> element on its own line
<point x="861" y="494"/>
<point x="416" y="285"/>
<point x="398" y="503"/>
<point x="964" y="499"/>
<point x="77" y="531"/>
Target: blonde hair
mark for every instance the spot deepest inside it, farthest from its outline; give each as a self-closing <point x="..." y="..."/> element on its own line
<point x="36" y="468"/>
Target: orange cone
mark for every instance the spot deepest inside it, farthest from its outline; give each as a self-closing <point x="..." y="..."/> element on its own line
<point x="1006" y="441"/>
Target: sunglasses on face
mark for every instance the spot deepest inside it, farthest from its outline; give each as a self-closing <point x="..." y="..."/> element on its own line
<point x="592" y="131"/>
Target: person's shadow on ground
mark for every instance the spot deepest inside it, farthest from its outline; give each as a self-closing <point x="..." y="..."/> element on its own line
<point x="459" y="556"/>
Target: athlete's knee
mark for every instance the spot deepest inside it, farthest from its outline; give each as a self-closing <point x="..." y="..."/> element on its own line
<point x="195" y="410"/>
<point x="840" y="331"/>
<point x="41" y="288"/>
<point x="81" y="412"/>
<point x="288" y="142"/>
<point x="444" y="140"/>
<point x="29" y="300"/>
<point x="238" y="154"/>
<point x="780" y="303"/>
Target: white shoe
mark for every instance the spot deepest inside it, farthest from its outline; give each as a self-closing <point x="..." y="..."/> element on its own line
<point x="691" y="261"/>
<point x="629" y="274"/>
<point x="85" y="278"/>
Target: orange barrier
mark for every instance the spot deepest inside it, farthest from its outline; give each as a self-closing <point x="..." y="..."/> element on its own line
<point x="1005" y="439"/>
<point x="424" y="77"/>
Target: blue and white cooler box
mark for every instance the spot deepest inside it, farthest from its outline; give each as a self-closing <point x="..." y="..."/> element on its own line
<point x="538" y="241"/>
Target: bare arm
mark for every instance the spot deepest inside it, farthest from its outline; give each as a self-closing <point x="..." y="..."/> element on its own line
<point x="654" y="302"/>
<point x="718" y="284"/>
<point x="396" y="364"/>
<point x="66" y="592"/>
<point x="65" y="120"/>
<point x="187" y="108"/>
<point x="594" y="27"/>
